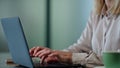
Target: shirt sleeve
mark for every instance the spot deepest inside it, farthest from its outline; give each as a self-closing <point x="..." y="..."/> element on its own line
<point x="82" y="50"/>
<point x="89" y="60"/>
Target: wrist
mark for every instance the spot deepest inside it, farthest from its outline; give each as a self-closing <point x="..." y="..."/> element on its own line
<point x="67" y="58"/>
<point x="70" y="58"/>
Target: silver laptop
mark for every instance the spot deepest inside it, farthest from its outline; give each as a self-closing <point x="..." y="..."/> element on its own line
<point x="18" y="46"/>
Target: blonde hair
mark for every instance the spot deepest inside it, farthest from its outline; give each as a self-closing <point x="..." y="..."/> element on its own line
<point x="99" y="4"/>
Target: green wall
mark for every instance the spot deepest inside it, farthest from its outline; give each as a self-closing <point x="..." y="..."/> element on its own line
<point x="68" y="19"/>
<point x="32" y="15"/>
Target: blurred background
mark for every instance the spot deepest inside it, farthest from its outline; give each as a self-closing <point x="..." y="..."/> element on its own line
<point x="52" y="23"/>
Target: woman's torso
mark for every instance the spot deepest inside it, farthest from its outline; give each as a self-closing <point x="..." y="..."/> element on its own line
<point x="106" y="33"/>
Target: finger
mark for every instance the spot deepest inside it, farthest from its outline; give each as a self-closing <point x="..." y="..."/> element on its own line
<point x="45" y="53"/>
<point x="37" y="49"/>
<point x="43" y="60"/>
<point x="38" y="53"/>
<point x="54" y="54"/>
<point x="50" y="60"/>
<point x="32" y="50"/>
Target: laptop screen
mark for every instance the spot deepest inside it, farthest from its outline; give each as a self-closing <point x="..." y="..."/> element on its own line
<point x="16" y="41"/>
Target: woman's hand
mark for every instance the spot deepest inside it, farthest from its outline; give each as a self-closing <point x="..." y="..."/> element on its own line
<point x="33" y="51"/>
<point x="42" y="53"/>
<point x="59" y="56"/>
<point x="50" y="56"/>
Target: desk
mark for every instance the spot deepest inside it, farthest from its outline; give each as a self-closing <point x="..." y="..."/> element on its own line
<point x="3" y="57"/>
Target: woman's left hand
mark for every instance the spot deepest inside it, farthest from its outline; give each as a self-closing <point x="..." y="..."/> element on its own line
<point x="57" y="56"/>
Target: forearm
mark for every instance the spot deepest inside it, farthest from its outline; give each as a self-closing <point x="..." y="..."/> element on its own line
<point x="89" y="60"/>
<point x="65" y="57"/>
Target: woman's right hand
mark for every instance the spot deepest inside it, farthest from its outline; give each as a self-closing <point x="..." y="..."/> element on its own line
<point x="42" y="53"/>
<point x="33" y="51"/>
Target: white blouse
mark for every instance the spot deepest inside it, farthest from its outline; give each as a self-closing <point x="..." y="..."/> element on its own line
<point x="102" y="33"/>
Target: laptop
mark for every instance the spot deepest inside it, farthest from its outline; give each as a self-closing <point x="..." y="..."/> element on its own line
<point x="18" y="46"/>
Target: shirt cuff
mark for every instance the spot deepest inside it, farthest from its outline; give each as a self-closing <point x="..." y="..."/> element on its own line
<point x="79" y="58"/>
